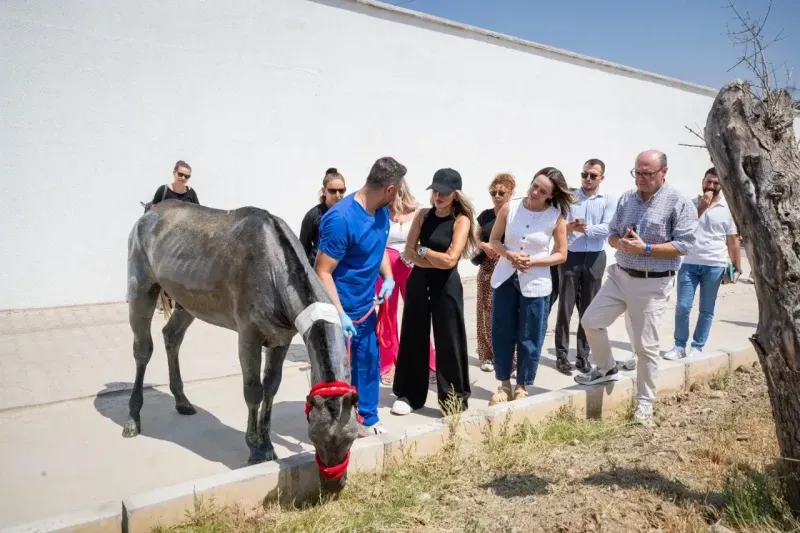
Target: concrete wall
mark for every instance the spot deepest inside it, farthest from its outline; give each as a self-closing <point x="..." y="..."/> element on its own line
<point x="99" y="99"/>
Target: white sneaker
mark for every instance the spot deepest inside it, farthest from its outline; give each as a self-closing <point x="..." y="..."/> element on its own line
<point x="675" y="354"/>
<point x="368" y="431"/>
<point x="630" y="364"/>
<point x="643" y="415"/>
<point x="401" y="407"/>
<point x="487" y="367"/>
<point x="694" y="351"/>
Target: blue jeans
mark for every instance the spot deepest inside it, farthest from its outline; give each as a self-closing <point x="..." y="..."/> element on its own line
<point x="517" y="322"/>
<point x="689" y="276"/>
<point x="365" y="364"/>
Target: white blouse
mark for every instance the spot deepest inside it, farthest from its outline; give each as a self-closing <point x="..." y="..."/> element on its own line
<point x="530" y="232"/>
<point x="398" y="234"/>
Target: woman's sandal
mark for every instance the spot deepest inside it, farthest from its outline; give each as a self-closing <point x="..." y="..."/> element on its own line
<point x="502" y="395"/>
<point x="388" y="377"/>
<point x="520" y="394"/>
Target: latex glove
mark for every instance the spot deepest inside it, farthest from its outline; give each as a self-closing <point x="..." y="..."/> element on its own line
<point x="347" y="325"/>
<point x="386" y="290"/>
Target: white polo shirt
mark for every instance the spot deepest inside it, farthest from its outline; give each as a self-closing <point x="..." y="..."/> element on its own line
<point x="713" y="226"/>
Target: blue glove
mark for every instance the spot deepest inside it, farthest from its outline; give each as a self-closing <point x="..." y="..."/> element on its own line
<point x="386" y="290"/>
<point x="347" y="325"/>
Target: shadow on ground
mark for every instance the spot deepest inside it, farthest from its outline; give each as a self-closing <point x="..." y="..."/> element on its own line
<point x="654" y="481"/>
<point x="517" y="485"/>
<point x="202" y="433"/>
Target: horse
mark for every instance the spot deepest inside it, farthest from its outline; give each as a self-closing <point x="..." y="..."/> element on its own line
<point x="243" y="270"/>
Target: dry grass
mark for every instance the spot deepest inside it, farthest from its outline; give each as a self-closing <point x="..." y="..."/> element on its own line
<point x="711" y="459"/>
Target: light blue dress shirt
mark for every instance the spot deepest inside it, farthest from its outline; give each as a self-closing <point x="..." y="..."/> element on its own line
<point x="596" y="212"/>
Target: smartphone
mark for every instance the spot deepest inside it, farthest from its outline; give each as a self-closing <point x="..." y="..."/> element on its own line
<point x="579" y="221"/>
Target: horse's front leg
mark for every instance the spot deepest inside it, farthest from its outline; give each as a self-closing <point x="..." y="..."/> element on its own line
<point x="250" y="360"/>
<point x="273" y="371"/>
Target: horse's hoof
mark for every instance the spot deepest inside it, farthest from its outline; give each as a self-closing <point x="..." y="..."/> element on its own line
<point x="185" y="408"/>
<point x="131" y="429"/>
<point x="261" y="456"/>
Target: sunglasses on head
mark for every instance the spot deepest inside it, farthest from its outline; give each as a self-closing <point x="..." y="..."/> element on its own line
<point x="334" y="191"/>
<point x="498" y="193"/>
<point x="585" y="175"/>
<point x="182" y="175"/>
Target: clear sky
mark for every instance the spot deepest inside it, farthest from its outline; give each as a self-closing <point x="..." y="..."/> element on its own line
<point x="684" y="39"/>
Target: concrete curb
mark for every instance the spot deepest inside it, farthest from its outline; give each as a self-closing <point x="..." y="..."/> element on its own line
<point x="296" y="477"/>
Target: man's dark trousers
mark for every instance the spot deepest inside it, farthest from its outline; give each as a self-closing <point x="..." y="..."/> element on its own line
<point x="581" y="277"/>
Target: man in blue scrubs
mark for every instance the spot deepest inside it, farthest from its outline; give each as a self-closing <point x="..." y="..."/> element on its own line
<point x="351" y="254"/>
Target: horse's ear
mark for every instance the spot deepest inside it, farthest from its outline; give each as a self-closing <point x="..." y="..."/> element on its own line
<point x="350" y="400"/>
<point x="315" y="401"/>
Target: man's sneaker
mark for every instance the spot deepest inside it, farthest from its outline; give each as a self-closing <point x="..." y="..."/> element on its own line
<point x="598" y="376"/>
<point x="643" y="415"/>
<point x="401" y="407"/>
<point x="564" y="366"/>
<point x="675" y="354"/>
<point x="694" y="352"/>
<point x="368" y="431"/>
<point x="630" y="364"/>
<point x="583" y="366"/>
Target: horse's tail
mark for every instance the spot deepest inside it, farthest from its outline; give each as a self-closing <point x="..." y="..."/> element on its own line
<point x="165" y="304"/>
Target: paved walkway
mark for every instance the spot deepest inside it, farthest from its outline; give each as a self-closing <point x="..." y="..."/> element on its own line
<point x="61" y="422"/>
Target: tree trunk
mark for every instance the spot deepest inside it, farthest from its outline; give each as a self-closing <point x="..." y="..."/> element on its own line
<point x="754" y="149"/>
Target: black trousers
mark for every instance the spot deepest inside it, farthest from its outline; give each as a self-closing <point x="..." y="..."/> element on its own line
<point x="435" y="297"/>
<point x="555" y="276"/>
<point x="581" y="278"/>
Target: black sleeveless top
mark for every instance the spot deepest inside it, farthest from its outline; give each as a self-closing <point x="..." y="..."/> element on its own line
<point x="436" y="232"/>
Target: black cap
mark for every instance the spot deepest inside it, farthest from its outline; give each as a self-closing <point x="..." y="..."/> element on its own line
<point x="445" y="181"/>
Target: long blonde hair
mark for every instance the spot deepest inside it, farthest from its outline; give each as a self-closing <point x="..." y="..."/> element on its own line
<point x="404" y="201"/>
<point x="463" y="206"/>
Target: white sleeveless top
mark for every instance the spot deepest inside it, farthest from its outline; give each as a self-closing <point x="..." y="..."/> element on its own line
<point x="398" y="234"/>
<point x="530" y="232"/>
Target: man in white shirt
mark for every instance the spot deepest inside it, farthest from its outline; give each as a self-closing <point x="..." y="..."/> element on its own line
<point x="716" y="241"/>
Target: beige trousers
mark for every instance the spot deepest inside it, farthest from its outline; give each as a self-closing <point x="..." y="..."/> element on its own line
<point x="645" y="300"/>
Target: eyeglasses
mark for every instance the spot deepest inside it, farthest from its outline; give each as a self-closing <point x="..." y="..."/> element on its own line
<point x="182" y="175"/>
<point x="334" y="191"/>
<point x="591" y="175"/>
<point x="639" y="174"/>
<point x="498" y="193"/>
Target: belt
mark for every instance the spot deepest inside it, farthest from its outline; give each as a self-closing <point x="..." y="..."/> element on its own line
<point x="647" y="274"/>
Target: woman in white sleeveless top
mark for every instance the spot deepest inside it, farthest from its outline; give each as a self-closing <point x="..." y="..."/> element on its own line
<point x="521" y="280"/>
<point x="402" y="211"/>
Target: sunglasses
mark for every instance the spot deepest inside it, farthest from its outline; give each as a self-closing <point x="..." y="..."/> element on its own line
<point x="498" y="193"/>
<point x="334" y="191"/>
<point x="585" y="175"/>
<point x="182" y="175"/>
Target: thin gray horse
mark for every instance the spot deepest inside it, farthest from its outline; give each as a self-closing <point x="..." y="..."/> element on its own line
<point x="243" y="270"/>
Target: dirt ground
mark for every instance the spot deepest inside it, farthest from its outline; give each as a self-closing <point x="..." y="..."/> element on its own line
<point x="709" y="463"/>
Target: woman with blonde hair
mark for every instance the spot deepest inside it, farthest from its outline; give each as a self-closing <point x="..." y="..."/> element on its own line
<point x="501" y="189"/>
<point x="439" y="237"/>
<point x="522" y="236"/>
<point x="402" y="212"/>
<point x="333" y="189"/>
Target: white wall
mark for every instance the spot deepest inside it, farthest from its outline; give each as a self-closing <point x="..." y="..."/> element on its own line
<point x="99" y="99"/>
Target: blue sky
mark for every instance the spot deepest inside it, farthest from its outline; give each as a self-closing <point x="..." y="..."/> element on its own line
<point x="684" y="39"/>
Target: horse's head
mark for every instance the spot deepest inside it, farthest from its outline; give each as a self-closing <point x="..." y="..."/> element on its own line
<point x="332" y="428"/>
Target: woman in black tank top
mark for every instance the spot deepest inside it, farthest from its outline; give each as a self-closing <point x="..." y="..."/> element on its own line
<point x="438" y="238"/>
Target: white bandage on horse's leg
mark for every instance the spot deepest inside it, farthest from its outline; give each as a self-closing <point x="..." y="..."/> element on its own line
<point x="314" y="312"/>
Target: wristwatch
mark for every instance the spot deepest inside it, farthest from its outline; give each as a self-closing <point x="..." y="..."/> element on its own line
<point x="421" y="251"/>
<point x="647" y="249"/>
